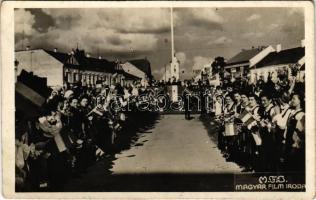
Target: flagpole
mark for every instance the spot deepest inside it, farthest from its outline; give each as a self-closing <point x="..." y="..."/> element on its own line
<point x="172" y="40"/>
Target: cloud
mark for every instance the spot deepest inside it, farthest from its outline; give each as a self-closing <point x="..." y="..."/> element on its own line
<point x="24" y="21"/>
<point x="199" y="32"/>
<point x="273" y="26"/>
<point x="104" y="30"/>
<point x="206" y="14"/>
<point x="206" y="18"/>
<point x="125" y="20"/>
<point x="296" y="10"/>
<point x="221" y="40"/>
<point x="159" y="72"/>
<point x="253" y="17"/>
<point x="200" y="61"/>
<point x="181" y="57"/>
<point x="293" y="26"/>
<point x="252" y="35"/>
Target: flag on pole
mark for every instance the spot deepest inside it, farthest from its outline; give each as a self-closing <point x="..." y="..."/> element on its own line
<point x="244" y="116"/>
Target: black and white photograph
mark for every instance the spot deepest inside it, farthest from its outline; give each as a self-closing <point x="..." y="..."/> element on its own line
<point x="170" y="98"/>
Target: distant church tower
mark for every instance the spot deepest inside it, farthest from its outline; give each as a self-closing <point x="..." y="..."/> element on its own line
<point x="175" y="64"/>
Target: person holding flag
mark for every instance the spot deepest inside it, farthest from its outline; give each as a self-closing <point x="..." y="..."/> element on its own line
<point x="267" y="132"/>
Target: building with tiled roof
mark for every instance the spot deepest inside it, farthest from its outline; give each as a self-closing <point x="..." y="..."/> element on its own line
<point x="133" y="70"/>
<point x="243" y="57"/>
<point x="240" y="64"/>
<point x="286" y="56"/>
<point x="143" y="65"/>
<point x="280" y="61"/>
<point x="74" y="67"/>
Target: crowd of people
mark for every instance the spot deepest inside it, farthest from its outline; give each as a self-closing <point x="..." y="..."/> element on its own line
<point x="76" y="126"/>
<point x="261" y="126"/>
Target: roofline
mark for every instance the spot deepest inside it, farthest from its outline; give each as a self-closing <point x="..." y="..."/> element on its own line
<point x="276" y="53"/>
<point x="266" y="66"/>
<point x="291" y="48"/>
<point x="61" y="52"/>
<point x="232" y="65"/>
<point x="29" y="50"/>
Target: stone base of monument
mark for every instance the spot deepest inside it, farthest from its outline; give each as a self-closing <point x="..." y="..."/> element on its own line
<point x="173" y="92"/>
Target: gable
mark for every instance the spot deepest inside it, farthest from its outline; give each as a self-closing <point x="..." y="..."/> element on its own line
<point x="287" y="56"/>
<point x="72" y="60"/>
<point x="243" y="56"/>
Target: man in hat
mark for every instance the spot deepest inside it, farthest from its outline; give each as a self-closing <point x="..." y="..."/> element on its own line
<point x="186" y="95"/>
<point x="30" y="93"/>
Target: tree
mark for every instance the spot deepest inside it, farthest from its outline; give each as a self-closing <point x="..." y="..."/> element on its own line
<point x="218" y="66"/>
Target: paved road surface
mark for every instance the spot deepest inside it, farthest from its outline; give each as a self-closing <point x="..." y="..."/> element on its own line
<point x="176" y="155"/>
<point x="175" y="145"/>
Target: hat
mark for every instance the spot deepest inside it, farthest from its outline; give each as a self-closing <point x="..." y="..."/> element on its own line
<point x="68" y="94"/>
<point x="57" y="88"/>
<point x="112" y="87"/>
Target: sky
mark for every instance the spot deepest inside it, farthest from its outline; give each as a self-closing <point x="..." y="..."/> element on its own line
<point x="200" y="34"/>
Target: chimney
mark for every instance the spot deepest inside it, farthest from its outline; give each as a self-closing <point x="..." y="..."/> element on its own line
<point x="303" y="43"/>
<point x="27" y="48"/>
<point x="55" y="49"/>
<point x="278" y="48"/>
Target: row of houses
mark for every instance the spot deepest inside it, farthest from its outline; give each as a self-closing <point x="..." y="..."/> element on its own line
<point x="258" y="62"/>
<point x="78" y="67"/>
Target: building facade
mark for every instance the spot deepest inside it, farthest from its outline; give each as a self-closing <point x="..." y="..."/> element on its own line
<point x="42" y="64"/>
<point x="240" y="64"/>
<point x="75" y="67"/>
<point x="280" y="62"/>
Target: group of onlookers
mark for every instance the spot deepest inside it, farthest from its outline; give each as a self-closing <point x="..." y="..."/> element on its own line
<point x="260" y="126"/>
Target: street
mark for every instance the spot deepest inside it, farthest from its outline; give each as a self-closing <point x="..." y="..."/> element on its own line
<point x="174" y="150"/>
<point x="175" y="146"/>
